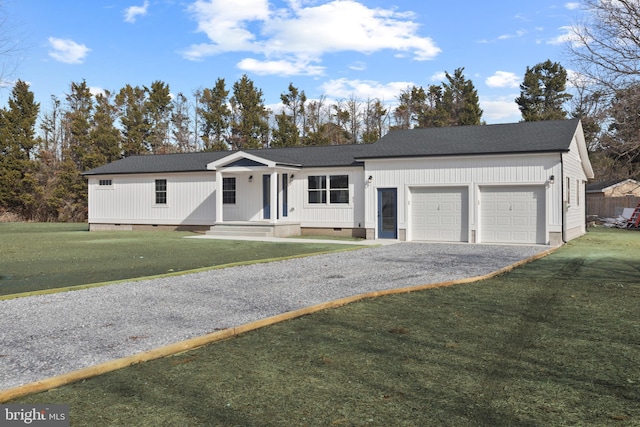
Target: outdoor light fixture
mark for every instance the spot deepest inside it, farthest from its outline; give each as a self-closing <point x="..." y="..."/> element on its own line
<point x="370" y="179"/>
<point x="291" y="179"/>
<point x="552" y="179"/>
<point x="250" y="178"/>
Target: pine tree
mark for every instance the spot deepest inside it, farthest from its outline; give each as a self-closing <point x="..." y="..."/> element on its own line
<point x="542" y="92"/>
<point x="104" y="135"/>
<point x="181" y="124"/>
<point x="157" y="108"/>
<point x="215" y="116"/>
<point x="19" y="188"/>
<point x="135" y="126"/>
<point x="460" y="100"/>
<point x="249" y="126"/>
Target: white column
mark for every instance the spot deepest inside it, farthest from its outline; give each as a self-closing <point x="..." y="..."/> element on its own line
<point x="274" y="197"/>
<point x="219" y="215"/>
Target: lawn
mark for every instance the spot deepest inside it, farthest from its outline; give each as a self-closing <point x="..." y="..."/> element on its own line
<point x="36" y="257"/>
<point x="555" y="342"/>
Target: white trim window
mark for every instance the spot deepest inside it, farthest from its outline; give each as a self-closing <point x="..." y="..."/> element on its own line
<point x="229" y="191"/>
<point x="105" y="183"/>
<point x="161" y="191"/>
<point x="338" y="189"/>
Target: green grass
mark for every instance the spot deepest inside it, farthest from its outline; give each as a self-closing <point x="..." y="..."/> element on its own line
<point x="552" y="343"/>
<point x="45" y="256"/>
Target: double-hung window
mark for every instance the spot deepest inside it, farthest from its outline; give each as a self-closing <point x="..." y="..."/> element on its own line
<point x="161" y="191"/>
<point x="229" y="191"/>
<point x="337" y="189"/>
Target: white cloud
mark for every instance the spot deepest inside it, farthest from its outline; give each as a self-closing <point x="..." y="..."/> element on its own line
<point x="364" y="89"/>
<point x="572" y="5"/>
<point x="306" y="32"/>
<point x="280" y="67"/>
<point x="440" y="76"/>
<point x="568" y="36"/>
<point x="96" y="90"/>
<point x="517" y="34"/>
<point x="503" y="79"/>
<point x="131" y="13"/>
<point x="67" y="51"/>
<point x="500" y="110"/>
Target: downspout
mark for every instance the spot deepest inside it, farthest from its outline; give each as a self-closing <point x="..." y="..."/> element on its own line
<point x="565" y="203"/>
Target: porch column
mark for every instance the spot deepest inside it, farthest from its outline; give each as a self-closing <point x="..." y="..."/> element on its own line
<point x="219" y="215"/>
<point x="274" y="197"/>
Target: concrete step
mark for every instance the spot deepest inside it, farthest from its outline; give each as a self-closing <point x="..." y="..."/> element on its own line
<point x="239" y="230"/>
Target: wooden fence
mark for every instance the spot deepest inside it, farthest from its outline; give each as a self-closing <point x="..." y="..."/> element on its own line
<point x="610" y="207"/>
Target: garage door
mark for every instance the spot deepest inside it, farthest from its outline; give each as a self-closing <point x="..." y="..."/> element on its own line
<point x="512" y="215"/>
<point x="440" y="214"/>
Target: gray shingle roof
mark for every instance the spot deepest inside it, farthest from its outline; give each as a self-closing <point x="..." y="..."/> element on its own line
<point x="525" y="137"/>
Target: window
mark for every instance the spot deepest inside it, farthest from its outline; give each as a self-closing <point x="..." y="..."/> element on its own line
<point x="577" y="192"/>
<point x="317" y="189"/>
<point x="161" y="191"/>
<point x="105" y="183"/>
<point x="568" y="191"/>
<point x="338" y="189"/>
<point x="229" y="191"/>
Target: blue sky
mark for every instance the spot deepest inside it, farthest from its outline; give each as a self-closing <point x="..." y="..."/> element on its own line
<point x="335" y="48"/>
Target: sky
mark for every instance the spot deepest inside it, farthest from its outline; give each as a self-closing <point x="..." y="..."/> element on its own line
<point x="338" y="49"/>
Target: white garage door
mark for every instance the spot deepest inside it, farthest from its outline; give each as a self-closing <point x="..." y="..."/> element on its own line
<point x="512" y="215"/>
<point x="439" y="214"/>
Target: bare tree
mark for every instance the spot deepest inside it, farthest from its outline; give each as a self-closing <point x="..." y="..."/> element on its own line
<point x="606" y="45"/>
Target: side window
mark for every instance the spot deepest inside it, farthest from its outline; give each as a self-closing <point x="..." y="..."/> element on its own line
<point x="229" y="191"/>
<point x="568" y="191"/>
<point x="339" y="189"/>
<point x="317" y="189"/>
<point x="578" y="192"/>
<point x="105" y="183"/>
<point x="161" y="191"/>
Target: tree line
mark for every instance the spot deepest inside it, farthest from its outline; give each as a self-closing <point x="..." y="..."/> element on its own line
<point x="43" y="156"/>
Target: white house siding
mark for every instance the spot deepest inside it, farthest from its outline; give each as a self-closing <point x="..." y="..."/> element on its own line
<point x="327" y="216"/>
<point x="573" y="195"/>
<point x="470" y="171"/>
<point x="131" y="200"/>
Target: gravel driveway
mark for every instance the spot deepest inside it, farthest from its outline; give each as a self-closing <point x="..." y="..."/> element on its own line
<point x="48" y="335"/>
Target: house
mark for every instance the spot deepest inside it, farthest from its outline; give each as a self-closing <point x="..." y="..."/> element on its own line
<point x="506" y="183"/>
<point x="608" y="199"/>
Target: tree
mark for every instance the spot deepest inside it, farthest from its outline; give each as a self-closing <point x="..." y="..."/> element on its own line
<point x="130" y="102"/>
<point x="286" y="133"/>
<point x="622" y="141"/>
<point x="435" y="113"/>
<point x="19" y="189"/>
<point x="411" y="104"/>
<point x="294" y="101"/>
<point x="215" y="115"/>
<point x="249" y="126"/>
<point x="542" y="92"/>
<point x="104" y="135"/>
<point x="181" y="124"/>
<point x="606" y="46"/>
<point x="460" y="100"/>
<point x="374" y="117"/>
<point x="157" y="108"/>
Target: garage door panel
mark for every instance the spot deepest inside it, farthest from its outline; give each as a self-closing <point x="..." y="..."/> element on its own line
<point x="439" y="214"/>
<point x="512" y="215"/>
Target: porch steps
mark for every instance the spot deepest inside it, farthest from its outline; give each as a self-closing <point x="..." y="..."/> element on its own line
<point x="241" y="230"/>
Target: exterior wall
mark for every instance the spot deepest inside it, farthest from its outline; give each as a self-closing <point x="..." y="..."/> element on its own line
<point x="623" y="189"/>
<point x="131" y="200"/>
<point x="573" y="193"/>
<point x="315" y="216"/>
<point x="472" y="172"/>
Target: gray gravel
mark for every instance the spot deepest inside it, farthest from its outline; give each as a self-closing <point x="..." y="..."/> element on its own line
<point x="48" y="335"/>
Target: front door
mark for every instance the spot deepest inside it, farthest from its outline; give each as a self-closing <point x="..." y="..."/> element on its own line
<point x="266" y="196"/>
<point x="387" y="213"/>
